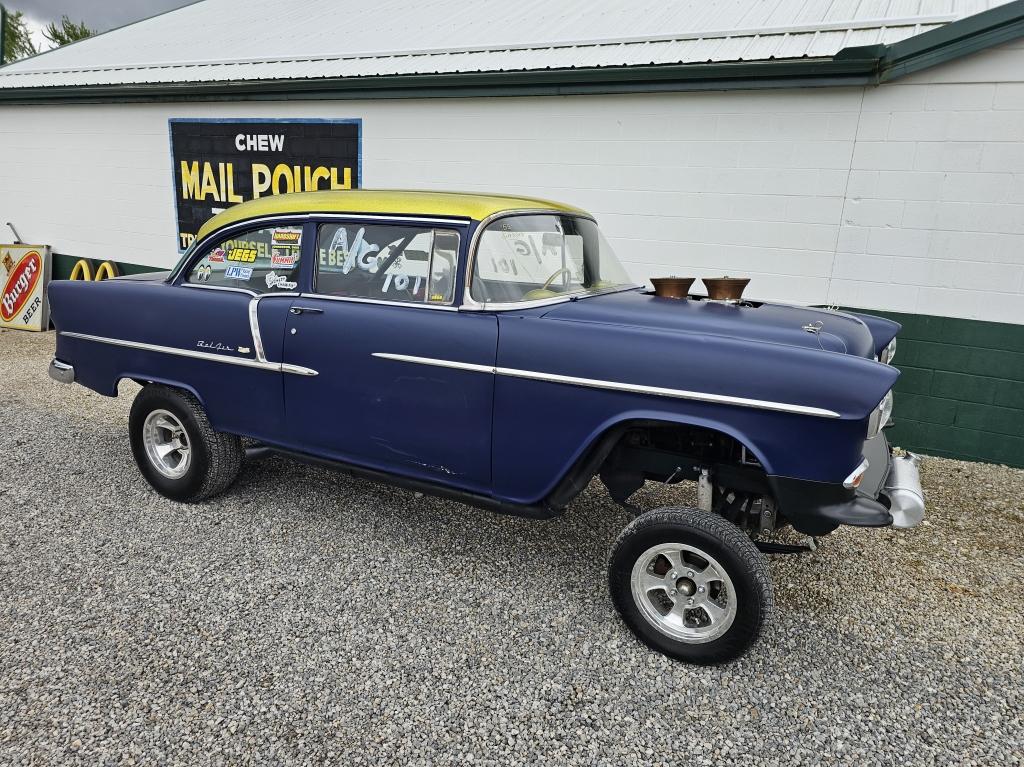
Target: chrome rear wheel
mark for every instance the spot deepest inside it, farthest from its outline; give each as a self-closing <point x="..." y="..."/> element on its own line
<point x="167" y="444"/>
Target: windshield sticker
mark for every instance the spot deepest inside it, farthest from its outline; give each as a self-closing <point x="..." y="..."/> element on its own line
<point x="238" y="272"/>
<point x="217" y="255"/>
<point x="203" y="272"/>
<point x="275" y="280"/>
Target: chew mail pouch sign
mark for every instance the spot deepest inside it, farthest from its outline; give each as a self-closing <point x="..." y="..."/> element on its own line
<point x="222" y="162"/>
<point x="24" y="275"/>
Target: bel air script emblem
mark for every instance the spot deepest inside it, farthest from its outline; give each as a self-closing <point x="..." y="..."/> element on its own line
<point x="217" y="347"/>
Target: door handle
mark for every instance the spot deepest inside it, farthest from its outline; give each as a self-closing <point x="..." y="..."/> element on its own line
<point x="305" y="310"/>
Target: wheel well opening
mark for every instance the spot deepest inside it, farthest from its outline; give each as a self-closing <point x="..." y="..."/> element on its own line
<point x="732" y="482"/>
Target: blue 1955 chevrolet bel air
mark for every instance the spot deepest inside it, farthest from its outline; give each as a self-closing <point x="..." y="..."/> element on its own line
<point x="492" y="350"/>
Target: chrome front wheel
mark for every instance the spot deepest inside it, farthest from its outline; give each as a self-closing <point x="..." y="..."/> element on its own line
<point x="690" y="584"/>
<point x="684" y="592"/>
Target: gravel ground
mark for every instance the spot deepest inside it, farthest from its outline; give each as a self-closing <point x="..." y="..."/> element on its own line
<point x="308" y="617"/>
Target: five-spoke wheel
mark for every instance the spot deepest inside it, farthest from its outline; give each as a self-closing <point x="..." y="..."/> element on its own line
<point x="690" y="584"/>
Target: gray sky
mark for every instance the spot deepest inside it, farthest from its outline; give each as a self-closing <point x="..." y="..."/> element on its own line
<point x="101" y="15"/>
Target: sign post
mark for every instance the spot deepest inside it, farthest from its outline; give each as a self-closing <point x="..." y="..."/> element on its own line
<point x="24" y="274"/>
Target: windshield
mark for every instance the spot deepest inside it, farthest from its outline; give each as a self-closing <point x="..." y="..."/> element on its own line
<point x="533" y="257"/>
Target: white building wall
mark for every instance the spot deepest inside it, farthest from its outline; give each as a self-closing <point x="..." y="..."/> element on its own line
<point x="908" y="196"/>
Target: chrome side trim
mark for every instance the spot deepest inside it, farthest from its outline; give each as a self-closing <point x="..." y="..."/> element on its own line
<point x="254" y="322"/>
<point x="437" y="363"/>
<point x="595" y="383"/>
<point x="276" y="367"/>
<point x="357" y="300"/>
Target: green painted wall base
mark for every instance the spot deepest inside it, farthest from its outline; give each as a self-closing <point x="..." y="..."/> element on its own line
<point x="62" y="266"/>
<point x="961" y="392"/>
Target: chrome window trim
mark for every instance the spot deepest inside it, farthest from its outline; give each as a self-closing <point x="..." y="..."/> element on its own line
<point x="219" y="287"/>
<point x="446" y="306"/>
<point x="470" y="304"/>
<point x="378" y="302"/>
<point x="276" y="367"/>
<point x="595" y="383"/>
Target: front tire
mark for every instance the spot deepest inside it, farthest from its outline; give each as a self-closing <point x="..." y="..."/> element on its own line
<point x="177" y="450"/>
<point x="690" y="585"/>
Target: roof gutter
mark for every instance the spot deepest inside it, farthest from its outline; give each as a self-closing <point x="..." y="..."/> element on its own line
<point x="547" y="82"/>
<point x="860" y="65"/>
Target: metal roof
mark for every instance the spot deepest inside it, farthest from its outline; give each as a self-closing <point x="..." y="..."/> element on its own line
<point x="253" y="40"/>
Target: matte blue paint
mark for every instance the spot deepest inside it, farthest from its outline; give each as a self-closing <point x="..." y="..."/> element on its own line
<point x="510" y="438"/>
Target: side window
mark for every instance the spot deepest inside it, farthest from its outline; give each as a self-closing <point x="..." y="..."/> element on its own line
<point x="387" y="262"/>
<point x="263" y="260"/>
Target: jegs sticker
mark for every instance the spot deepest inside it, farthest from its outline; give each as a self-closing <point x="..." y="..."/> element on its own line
<point x="238" y="272"/>
<point x="279" y="281"/>
<point x="245" y="255"/>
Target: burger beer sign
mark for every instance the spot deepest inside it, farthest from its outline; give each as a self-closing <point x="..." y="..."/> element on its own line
<point x="24" y="274"/>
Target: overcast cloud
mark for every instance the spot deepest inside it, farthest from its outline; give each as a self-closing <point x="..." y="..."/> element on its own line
<point x="97" y="14"/>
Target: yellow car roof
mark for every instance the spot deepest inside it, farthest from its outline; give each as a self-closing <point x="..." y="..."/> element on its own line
<point x="460" y="204"/>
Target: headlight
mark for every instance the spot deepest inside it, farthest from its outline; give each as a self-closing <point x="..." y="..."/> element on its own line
<point x="880" y="415"/>
<point x="888" y="353"/>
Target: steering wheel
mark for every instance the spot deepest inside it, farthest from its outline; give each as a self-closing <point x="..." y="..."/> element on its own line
<point x="553" y="277"/>
<point x="545" y="291"/>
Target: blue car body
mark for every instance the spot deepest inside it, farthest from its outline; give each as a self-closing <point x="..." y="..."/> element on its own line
<point x="507" y="407"/>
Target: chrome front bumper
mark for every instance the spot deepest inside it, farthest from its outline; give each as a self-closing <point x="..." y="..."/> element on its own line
<point x="903" y="489"/>
<point x="62" y="372"/>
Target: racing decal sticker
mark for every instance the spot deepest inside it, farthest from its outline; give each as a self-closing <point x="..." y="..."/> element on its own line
<point x="245" y="255"/>
<point x="287" y="236"/>
<point x="279" y="281"/>
<point x="283" y="257"/>
<point x="238" y="272"/>
<point x="217" y="255"/>
<point x="203" y="272"/>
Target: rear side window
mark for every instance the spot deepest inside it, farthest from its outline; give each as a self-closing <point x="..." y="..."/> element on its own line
<point x="385" y="262"/>
<point x="262" y="260"/>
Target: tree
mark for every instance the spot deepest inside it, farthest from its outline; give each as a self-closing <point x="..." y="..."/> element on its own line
<point x="67" y="32"/>
<point x="17" y="40"/>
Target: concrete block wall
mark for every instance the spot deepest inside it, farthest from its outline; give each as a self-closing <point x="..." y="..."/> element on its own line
<point x="933" y="217"/>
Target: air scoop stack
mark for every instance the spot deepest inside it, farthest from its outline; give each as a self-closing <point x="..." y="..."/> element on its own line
<point x="726" y="289"/>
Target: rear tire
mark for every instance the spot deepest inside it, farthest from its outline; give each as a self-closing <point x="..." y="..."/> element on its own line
<point x="176" y="449"/>
<point x="690" y="585"/>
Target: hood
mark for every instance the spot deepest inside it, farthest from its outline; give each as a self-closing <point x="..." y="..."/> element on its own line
<point x="750" y="320"/>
